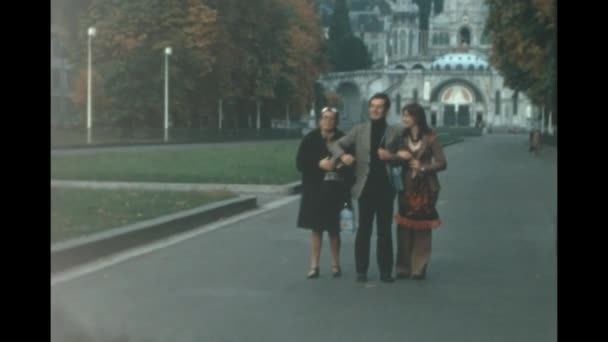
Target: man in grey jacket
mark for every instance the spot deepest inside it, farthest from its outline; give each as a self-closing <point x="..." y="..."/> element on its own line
<point x="372" y="187"/>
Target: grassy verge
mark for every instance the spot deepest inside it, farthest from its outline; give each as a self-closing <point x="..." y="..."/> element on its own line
<point x="79" y="212"/>
<point x="268" y="163"/>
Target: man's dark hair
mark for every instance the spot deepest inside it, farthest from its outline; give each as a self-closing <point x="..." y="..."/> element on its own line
<point x="383" y="96"/>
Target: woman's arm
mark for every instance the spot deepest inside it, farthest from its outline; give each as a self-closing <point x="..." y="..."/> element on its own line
<point x="438" y="162"/>
<point x="306" y="160"/>
<point x="340" y="146"/>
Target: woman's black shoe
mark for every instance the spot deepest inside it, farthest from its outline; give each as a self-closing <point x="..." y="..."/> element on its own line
<point x="314" y="273"/>
<point x="361" y="278"/>
<point x="336" y="271"/>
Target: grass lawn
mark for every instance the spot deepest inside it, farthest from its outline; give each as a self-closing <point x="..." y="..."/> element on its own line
<point x="79" y="212"/>
<point x="242" y="163"/>
<point x="268" y="163"/>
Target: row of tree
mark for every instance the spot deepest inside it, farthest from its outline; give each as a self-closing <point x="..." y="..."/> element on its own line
<point x="246" y="53"/>
<point x="524" y="48"/>
<point x="241" y="57"/>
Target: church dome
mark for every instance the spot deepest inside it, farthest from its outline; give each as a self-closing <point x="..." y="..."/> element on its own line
<point x="460" y="61"/>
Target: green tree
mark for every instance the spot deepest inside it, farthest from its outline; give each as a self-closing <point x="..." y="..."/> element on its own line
<point x="340" y="28"/>
<point x="263" y="38"/>
<point x="424" y="7"/>
<point x="524" y="39"/>
<point x="346" y="51"/>
<point x="272" y="62"/>
<point x="353" y="55"/>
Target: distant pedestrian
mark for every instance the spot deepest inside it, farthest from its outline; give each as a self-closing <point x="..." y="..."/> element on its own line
<point x="535" y="141"/>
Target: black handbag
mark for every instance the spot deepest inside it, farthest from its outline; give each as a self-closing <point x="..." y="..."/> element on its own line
<point x="396" y="178"/>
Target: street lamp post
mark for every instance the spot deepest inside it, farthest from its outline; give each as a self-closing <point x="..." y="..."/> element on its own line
<point x="168" y="52"/>
<point x="91" y="33"/>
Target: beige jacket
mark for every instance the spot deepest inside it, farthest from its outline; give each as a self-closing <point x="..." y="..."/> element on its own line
<point x="359" y="139"/>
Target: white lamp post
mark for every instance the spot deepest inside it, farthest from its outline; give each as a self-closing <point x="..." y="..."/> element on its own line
<point x="168" y="52"/>
<point x="91" y="33"/>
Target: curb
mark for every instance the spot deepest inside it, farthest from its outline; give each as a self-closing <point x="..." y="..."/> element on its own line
<point x="157" y="142"/>
<point x="78" y="251"/>
<point x="252" y="189"/>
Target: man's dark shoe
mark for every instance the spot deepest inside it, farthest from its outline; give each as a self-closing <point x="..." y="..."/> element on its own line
<point x="387" y="278"/>
<point x="361" y="278"/>
<point x="402" y="275"/>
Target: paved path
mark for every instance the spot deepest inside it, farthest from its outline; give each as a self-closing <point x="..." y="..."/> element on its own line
<point x="492" y="277"/>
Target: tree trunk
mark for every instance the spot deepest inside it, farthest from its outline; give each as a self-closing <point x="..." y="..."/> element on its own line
<point x="258" y="105"/>
<point x="543" y="119"/>
<point x="220" y="114"/>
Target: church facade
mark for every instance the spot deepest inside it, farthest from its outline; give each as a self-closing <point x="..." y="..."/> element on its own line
<point x="445" y="69"/>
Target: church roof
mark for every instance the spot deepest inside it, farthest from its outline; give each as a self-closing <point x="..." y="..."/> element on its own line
<point x="440" y="19"/>
<point x="460" y="60"/>
<point x="407" y="6"/>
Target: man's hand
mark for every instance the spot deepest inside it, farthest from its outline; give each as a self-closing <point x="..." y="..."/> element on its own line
<point x="347" y="159"/>
<point x="384" y="154"/>
<point x="326" y="164"/>
<point x="415" y="164"/>
<point x="405" y="155"/>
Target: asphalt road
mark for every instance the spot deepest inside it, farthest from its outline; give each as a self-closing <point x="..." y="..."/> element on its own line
<point x="492" y="276"/>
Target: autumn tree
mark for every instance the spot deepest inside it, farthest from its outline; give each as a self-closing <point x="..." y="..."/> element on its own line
<point x="305" y="59"/>
<point x="269" y="55"/>
<point x="237" y="55"/>
<point x="524" y="49"/>
<point x="128" y="52"/>
<point x="223" y="84"/>
<point x="99" y="98"/>
<point x="253" y="41"/>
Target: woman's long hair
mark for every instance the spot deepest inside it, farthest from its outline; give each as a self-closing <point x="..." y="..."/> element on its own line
<point x="417" y="112"/>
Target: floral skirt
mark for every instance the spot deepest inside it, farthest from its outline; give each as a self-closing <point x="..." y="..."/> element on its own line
<point x="417" y="206"/>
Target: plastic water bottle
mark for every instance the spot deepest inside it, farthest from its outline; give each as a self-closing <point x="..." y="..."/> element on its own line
<point x="347" y="220"/>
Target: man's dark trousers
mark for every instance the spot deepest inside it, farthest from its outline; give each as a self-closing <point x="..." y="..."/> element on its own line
<point x="376" y="201"/>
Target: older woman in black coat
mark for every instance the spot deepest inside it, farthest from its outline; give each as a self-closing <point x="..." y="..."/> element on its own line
<point x="325" y="190"/>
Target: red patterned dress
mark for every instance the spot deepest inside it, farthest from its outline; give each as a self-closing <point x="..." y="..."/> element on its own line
<point x="421" y="189"/>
